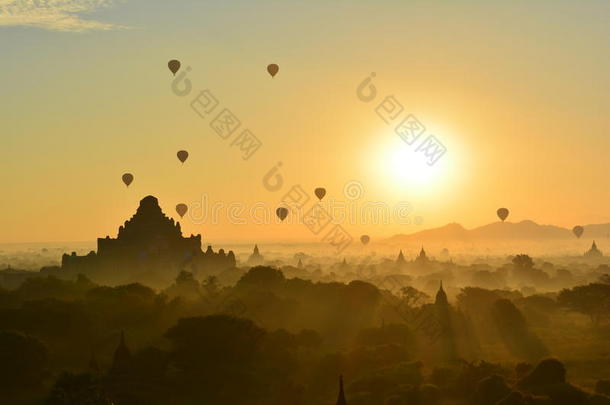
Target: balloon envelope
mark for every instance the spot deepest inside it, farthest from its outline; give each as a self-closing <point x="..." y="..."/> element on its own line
<point x="365" y="239"/>
<point x="578" y="230"/>
<point x="181" y="209"/>
<point x="502" y="213"/>
<point x="174" y="66"/>
<point x="282" y="213"/>
<point x="127" y="178"/>
<point x="182" y="155"/>
<point x="273" y="69"/>
<point x="320" y="192"/>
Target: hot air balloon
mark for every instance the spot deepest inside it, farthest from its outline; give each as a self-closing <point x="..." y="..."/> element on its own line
<point x="365" y="239"/>
<point x="273" y="69"/>
<point x="182" y="155"/>
<point x="181" y="209"/>
<point x="320" y="193"/>
<point x="174" y="66"/>
<point x="578" y="230"/>
<point x="282" y="213"/>
<point x="127" y="178"/>
<point x="502" y="213"/>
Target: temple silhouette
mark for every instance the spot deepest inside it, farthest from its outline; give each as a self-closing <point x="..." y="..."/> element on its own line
<point x="255" y="259"/>
<point x="422" y="262"/>
<point x="341" y="398"/>
<point x="422" y="258"/>
<point x="594" y="252"/>
<point x="148" y="244"/>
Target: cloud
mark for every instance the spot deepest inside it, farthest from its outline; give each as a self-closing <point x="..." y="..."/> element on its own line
<point x="56" y="15"/>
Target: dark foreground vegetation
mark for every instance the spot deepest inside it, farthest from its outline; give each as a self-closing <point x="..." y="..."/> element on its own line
<point x="273" y="340"/>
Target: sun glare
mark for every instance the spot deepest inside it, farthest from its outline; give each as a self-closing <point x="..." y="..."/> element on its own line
<point x="407" y="168"/>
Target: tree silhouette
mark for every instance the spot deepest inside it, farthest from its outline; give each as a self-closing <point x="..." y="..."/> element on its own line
<point x="515" y="333"/>
<point x="261" y="276"/>
<point x="77" y="389"/>
<point x="23" y="361"/>
<point x="523" y="262"/>
<point x="214" y="342"/>
<point x="592" y="300"/>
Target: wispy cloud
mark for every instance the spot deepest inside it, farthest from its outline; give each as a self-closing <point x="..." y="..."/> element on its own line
<point x="57" y="15"/>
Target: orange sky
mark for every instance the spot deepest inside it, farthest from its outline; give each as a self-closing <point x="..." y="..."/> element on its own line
<point x="517" y="93"/>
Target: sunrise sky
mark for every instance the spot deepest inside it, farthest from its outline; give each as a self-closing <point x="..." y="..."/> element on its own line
<point x="518" y="92"/>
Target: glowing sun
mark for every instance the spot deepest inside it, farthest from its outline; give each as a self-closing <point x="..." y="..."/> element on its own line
<point x="407" y="168"/>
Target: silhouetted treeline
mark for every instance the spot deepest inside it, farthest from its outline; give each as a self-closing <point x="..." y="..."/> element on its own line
<point x="275" y="340"/>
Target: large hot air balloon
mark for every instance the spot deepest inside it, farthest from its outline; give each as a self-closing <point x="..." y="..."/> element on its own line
<point x="182" y="155"/>
<point x="578" y="230"/>
<point x="320" y="193"/>
<point x="174" y="66"/>
<point x="181" y="209"/>
<point x="365" y="239"/>
<point x="127" y="178"/>
<point x="502" y="213"/>
<point x="273" y="69"/>
<point x="282" y="213"/>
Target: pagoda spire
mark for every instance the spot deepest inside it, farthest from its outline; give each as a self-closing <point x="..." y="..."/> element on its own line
<point x="341" y="399"/>
<point x="122" y="356"/>
<point x="441" y="296"/>
<point x="255" y="259"/>
<point x="400" y="258"/>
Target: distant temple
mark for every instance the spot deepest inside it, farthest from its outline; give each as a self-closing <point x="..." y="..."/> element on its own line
<point x="447" y="320"/>
<point x="122" y="357"/>
<point x="146" y="241"/>
<point x="341" y="399"/>
<point x="441" y="297"/>
<point x="400" y="260"/>
<point x="594" y="252"/>
<point x="118" y="383"/>
<point x="422" y="258"/>
<point x="255" y="259"/>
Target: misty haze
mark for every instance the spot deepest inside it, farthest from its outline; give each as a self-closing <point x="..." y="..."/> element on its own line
<point x="304" y="203"/>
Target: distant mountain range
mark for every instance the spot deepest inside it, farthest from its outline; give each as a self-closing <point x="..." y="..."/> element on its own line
<point x="524" y="230"/>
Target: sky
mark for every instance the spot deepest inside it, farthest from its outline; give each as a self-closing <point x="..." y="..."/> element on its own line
<point x="517" y="93"/>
